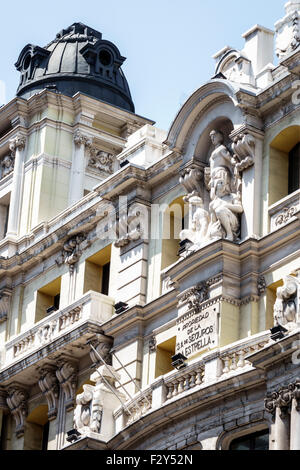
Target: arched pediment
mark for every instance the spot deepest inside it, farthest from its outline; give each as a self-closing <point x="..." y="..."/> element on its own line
<point x="209" y="97"/>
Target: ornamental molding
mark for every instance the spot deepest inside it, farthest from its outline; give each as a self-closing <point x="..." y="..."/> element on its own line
<point x="66" y="374"/>
<point x="17" y="403"/>
<point x="49" y="386"/>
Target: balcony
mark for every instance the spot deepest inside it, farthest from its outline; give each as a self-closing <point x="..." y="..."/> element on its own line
<point x="284" y="210"/>
<point x="215" y="367"/>
<point x="92" y="308"/>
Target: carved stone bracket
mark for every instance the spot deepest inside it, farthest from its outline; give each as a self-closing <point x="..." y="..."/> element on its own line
<point x="102" y="344"/>
<point x="72" y="251"/>
<point x="5" y="297"/>
<point x="244" y="151"/>
<point x="133" y="235"/>
<point x="195" y="296"/>
<point x="49" y="386"/>
<point x="191" y="179"/>
<point x="261" y="285"/>
<point x="17" y="403"/>
<point x="67" y="378"/>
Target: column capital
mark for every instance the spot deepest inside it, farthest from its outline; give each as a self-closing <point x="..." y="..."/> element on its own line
<point x="17" y="143"/>
<point x="81" y="139"/>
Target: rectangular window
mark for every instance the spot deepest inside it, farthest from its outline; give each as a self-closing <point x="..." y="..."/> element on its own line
<point x="48" y="298"/>
<point x="97" y="272"/>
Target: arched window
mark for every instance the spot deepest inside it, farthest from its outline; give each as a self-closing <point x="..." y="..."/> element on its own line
<point x="294" y="169"/>
<point x="256" y="441"/>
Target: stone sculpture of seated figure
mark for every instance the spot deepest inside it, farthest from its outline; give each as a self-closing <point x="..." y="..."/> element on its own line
<point x="199" y="222"/>
<point x="224" y="210"/>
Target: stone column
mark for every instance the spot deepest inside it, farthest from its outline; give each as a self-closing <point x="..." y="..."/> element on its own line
<point x="248" y="149"/>
<point x="78" y="167"/>
<point x="17" y="147"/>
<point x="295" y="416"/>
<point x="282" y="429"/>
<point x="278" y="404"/>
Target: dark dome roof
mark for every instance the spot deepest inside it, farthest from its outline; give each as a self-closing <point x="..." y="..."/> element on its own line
<point x="78" y="60"/>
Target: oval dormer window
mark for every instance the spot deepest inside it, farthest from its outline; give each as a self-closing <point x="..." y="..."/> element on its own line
<point x="105" y="58"/>
<point x="27" y="61"/>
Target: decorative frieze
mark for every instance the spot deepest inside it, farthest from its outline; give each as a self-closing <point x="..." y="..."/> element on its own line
<point x="101" y="161"/>
<point x="67" y="378"/>
<point x="49" y="386"/>
<point x="17" y="403"/>
<point x="285" y="216"/>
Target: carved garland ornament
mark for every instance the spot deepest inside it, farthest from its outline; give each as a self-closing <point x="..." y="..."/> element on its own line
<point x="283" y="399"/>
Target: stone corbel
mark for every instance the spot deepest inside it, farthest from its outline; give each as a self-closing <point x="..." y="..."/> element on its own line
<point x="17" y="403"/>
<point x="271" y="403"/>
<point x="131" y="236"/>
<point x="261" y="285"/>
<point x="191" y="179"/>
<point x="72" y="251"/>
<point x="49" y="386"/>
<point x="102" y="344"/>
<point x="5" y="297"/>
<point x="67" y="378"/>
<point x="194" y="297"/>
<point x="244" y="150"/>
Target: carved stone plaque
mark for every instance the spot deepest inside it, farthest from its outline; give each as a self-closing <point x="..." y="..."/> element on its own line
<point x="198" y="332"/>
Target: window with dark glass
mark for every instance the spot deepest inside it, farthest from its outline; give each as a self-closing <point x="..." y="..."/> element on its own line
<point x="257" y="441"/>
<point x="294" y="169"/>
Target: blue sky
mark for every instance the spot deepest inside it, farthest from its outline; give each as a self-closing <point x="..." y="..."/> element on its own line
<point x="168" y="43"/>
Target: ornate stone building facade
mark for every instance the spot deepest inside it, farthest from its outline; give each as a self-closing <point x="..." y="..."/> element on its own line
<point x="150" y="281"/>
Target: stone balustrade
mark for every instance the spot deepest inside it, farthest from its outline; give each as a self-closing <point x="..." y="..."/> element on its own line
<point x="230" y="359"/>
<point x="139" y="407"/>
<point x="184" y="380"/>
<point x="284" y="210"/>
<point x="234" y="358"/>
<point x="91" y="307"/>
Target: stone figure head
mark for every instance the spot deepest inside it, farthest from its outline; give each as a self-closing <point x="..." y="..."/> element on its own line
<point x="217" y="137"/>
